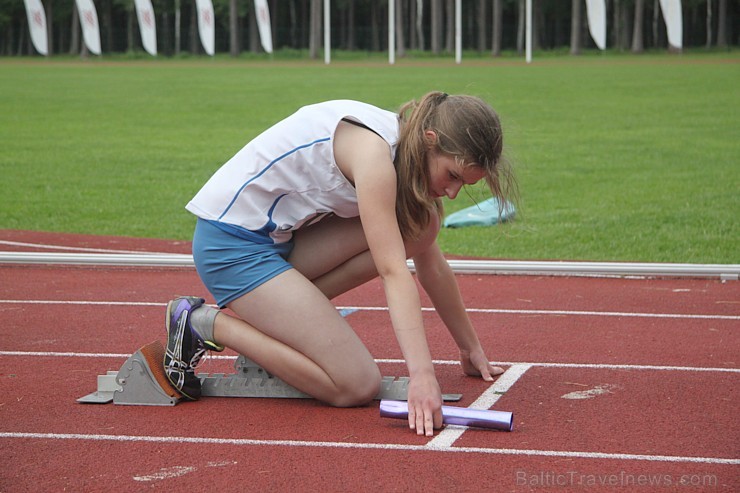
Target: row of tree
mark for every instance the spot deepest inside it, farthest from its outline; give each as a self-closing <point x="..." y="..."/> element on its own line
<point x="488" y="26"/>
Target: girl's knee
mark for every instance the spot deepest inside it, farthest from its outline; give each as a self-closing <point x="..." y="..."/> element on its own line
<point x="360" y="390"/>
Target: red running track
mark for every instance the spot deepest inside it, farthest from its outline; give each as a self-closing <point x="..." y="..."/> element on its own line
<point x="616" y="385"/>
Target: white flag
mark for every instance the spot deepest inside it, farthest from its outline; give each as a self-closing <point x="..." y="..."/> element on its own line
<point x="263" y="24"/>
<point x="596" y="12"/>
<point x="90" y="26"/>
<point x="673" y="21"/>
<point x="147" y="25"/>
<point x="37" y="25"/>
<point x="206" y="26"/>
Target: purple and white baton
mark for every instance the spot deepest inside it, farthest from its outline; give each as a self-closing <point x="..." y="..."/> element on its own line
<point x="481" y="418"/>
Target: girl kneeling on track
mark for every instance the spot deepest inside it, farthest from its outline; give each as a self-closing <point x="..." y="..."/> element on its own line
<point x="329" y="198"/>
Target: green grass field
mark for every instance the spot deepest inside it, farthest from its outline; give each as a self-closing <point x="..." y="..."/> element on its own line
<point x="619" y="157"/>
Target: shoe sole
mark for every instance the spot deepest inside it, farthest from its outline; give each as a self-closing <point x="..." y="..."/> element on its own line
<point x="164" y="357"/>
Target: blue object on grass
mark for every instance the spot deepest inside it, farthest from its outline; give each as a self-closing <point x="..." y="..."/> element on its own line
<point x="484" y="213"/>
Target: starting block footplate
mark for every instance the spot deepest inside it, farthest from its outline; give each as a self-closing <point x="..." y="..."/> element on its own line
<point x="136" y="384"/>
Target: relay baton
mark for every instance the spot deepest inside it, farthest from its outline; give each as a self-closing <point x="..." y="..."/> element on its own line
<point x="481" y="418"/>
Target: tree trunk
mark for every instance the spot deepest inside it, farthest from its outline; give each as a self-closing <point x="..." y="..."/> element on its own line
<point x="314" y="37"/>
<point x="178" y="32"/>
<point x="450" y="26"/>
<point x="521" y="27"/>
<point x="496" y="35"/>
<point x="400" y="38"/>
<point x="49" y="26"/>
<point x="129" y="30"/>
<point x="482" y="23"/>
<point x="22" y="37"/>
<point x="411" y="24"/>
<point x="6" y="46"/>
<point x="74" y="43"/>
<point x="108" y="23"/>
<point x="624" y="23"/>
<point x="252" y="30"/>
<point x="166" y="34"/>
<point x="274" y="16"/>
<point x="638" y="44"/>
<point x="292" y="17"/>
<point x="374" y="34"/>
<point x="234" y="47"/>
<point x="538" y="24"/>
<point x="352" y="35"/>
<point x="194" y="34"/>
<point x="615" y="23"/>
<point x="721" y="24"/>
<point x="575" y="27"/>
<point x="436" y="31"/>
<point x="708" y="43"/>
<point x="656" y="17"/>
<point x="420" y="24"/>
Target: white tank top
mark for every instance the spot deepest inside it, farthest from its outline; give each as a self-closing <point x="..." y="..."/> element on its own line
<point x="287" y="176"/>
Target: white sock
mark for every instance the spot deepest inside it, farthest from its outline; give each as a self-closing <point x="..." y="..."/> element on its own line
<point x="203" y="319"/>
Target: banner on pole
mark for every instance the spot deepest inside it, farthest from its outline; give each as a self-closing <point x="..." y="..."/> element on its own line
<point x="37" y="25"/>
<point x="596" y="13"/>
<point x="147" y="25"/>
<point x="206" y="25"/>
<point x="673" y="22"/>
<point x="90" y="26"/>
<point x="263" y="24"/>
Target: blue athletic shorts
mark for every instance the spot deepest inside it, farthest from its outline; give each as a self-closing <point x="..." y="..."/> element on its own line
<point x="231" y="266"/>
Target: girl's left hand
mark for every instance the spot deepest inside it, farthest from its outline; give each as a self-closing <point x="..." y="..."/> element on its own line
<point x="475" y="364"/>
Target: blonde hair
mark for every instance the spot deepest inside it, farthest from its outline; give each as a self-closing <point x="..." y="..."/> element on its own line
<point x="466" y="128"/>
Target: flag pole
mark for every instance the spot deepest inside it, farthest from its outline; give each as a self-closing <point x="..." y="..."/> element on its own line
<point x="327" y="32"/>
<point x="458" y="31"/>
<point x="528" y="31"/>
<point x="391" y="31"/>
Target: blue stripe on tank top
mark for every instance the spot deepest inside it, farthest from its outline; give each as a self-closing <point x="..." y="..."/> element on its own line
<point x="270" y="226"/>
<point x="236" y="196"/>
<point x="261" y="236"/>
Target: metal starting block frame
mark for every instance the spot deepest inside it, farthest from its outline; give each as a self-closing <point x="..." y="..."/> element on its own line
<point x="134" y="384"/>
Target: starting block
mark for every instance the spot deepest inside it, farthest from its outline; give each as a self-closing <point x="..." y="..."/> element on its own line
<point x="136" y="383"/>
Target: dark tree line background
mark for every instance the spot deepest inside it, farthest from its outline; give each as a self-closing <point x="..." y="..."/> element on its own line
<point x="488" y="26"/>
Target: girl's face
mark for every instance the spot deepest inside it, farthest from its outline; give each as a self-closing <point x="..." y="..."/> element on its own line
<point x="447" y="176"/>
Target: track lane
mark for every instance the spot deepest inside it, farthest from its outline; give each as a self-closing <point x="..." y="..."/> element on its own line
<point x="602" y="444"/>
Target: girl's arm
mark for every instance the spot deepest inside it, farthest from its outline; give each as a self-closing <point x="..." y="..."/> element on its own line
<point x="365" y="160"/>
<point x="438" y="280"/>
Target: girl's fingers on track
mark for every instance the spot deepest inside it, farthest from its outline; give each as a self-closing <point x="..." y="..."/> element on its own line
<point x="429" y="424"/>
<point x="485" y="372"/>
<point x="420" y="423"/>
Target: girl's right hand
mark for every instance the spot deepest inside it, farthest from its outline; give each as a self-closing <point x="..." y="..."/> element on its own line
<point x="475" y="364"/>
<point x="425" y="404"/>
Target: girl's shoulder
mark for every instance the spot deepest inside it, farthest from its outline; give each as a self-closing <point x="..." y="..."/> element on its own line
<point x="382" y="122"/>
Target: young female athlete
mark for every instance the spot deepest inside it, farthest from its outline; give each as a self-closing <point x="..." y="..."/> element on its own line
<point x="335" y="195"/>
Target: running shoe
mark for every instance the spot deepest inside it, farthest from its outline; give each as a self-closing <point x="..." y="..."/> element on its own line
<point x="185" y="347"/>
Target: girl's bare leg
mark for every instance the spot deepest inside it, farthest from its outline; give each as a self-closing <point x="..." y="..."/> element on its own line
<point x="289" y="327"/>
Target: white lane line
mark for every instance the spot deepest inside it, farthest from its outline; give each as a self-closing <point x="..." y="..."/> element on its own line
<point x="365" y="446"/>
<point x="81" y="302"/>
<point x="503" y="383"/>
<point x="426" y="309"/>
<point x="592" y="366"/>
<point x="76" y="249"/>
